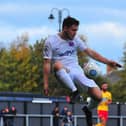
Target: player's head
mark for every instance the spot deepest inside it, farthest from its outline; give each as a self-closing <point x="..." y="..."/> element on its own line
<point x="69" y="21"/>
<point x="104" y="86"/>
<point x="70" y="27"/>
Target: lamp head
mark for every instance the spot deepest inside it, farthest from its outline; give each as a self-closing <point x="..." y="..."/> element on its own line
<point x="51" y="17"/>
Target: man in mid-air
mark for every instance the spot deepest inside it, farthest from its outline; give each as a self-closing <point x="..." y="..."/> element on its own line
<point x="60" y="50"/>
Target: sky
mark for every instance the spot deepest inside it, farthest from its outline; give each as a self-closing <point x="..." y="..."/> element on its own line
<point x="103" y="22"/>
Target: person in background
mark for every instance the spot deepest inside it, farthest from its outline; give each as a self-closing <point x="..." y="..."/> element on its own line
<point x="67" y="119"/>
<point x="5" y="118"/>
<point x="64" y="111"/>
<point x="9" y="120"/>
<point x="56" y="115"/>
<point x="103" y="107"/>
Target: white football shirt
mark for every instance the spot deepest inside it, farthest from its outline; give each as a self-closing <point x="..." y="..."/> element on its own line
<point x="65" y="51"/>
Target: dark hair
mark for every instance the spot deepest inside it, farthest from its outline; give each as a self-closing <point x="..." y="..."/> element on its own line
<point x="104" y="82"/>
<point x="69" y="21"/>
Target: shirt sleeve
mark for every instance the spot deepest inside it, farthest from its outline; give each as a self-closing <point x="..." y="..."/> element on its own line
<point x="81" y="44"/>
<point x="47" y="50"/>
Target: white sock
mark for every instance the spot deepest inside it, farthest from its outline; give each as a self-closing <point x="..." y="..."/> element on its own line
<point x="65" y="78"/>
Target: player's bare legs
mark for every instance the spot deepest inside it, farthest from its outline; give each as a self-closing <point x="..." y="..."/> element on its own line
<point x="102" y="122"/>
<point x="57" y="66"/>
<point x="95" y="93"/>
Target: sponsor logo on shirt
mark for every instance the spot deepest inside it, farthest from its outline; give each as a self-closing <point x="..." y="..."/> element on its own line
<point x="67" y="53"/>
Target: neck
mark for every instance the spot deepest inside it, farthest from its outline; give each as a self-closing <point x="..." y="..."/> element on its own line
<point x="104" y="90"/>
<point x="63" y="35"/>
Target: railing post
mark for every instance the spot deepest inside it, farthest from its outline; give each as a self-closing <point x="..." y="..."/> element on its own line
<point x="121" y="121"/>
<point x="27" y="120"/>
<point x="118" y="112"/>
<point x="51" y="120"/>
<point x="1" y="121"/>
<point x="75" y="120"/>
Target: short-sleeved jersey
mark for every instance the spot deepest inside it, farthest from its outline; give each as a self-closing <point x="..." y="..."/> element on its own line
<point x="105" y="96"/>
<point x="65" y="51"/>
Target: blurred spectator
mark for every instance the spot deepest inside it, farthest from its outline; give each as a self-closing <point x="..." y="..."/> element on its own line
<point x="64" y="111"/>
<point x="55" y="114"/>
<point x="67" y="119"/>
<point x="8" y="120"/>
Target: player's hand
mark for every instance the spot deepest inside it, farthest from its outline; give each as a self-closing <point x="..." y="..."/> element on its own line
<point x="46" y="92"/>
<point x="114" y="64"/>
<point x="46" y="89"/>
<point x="118" y="65"/>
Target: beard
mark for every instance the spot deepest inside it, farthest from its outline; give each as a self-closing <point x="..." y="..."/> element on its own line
<point x="67" y="36"/>
<point x="104" y="89"/>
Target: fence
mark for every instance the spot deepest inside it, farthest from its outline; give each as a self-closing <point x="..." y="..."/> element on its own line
<point x="32" y="110"/>
<point x="50" y="117"/>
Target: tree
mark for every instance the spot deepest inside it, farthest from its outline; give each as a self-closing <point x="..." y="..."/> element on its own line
<point x="119" y="88"/>
<point x="21" y="68"/>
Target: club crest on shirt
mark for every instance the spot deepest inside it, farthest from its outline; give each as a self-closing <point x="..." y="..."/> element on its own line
<point x="71" y="43"/>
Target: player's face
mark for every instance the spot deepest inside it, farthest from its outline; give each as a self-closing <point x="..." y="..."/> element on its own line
<point x="70" y="32"/>
<point x="104" y="87"/>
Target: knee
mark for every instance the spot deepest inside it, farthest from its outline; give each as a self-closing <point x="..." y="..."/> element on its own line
<point x="57" y="66"/>
<point x="95" y="93"/>
<point x="99" y="97"/>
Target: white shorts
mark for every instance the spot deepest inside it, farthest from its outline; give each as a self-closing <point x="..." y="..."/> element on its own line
<point x="81" y="81"/>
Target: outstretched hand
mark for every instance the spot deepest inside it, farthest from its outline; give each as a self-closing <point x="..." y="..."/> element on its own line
<point x="46" y="92"/>
<point x="118" y="65"/>
<point x="114" y="64"/>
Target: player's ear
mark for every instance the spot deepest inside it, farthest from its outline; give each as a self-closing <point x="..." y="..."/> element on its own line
<point x="65" y="28"/>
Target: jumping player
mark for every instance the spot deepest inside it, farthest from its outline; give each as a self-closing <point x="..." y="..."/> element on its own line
<point x="61" y="51"/>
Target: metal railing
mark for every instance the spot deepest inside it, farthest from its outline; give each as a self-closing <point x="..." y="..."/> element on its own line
<point x="76" y="117"/>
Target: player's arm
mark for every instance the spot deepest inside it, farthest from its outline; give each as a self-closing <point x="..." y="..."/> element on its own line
<point x="106" y="102"/>
<point x="93" y="54"/>
<point x="46" y="72"/>
<point x="109" y="101"/>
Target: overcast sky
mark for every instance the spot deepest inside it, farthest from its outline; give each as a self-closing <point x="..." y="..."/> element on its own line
<point x="103" y="22"/>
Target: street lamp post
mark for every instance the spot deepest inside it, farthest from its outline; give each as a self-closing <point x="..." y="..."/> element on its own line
<point x="60" y="11"/>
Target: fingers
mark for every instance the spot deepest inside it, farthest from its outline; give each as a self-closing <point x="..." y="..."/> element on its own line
<point x="114" y="64"/>
<point x="46" y="89"/>
<point x="46" y="92"/>
<point x="118" y="65"/>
